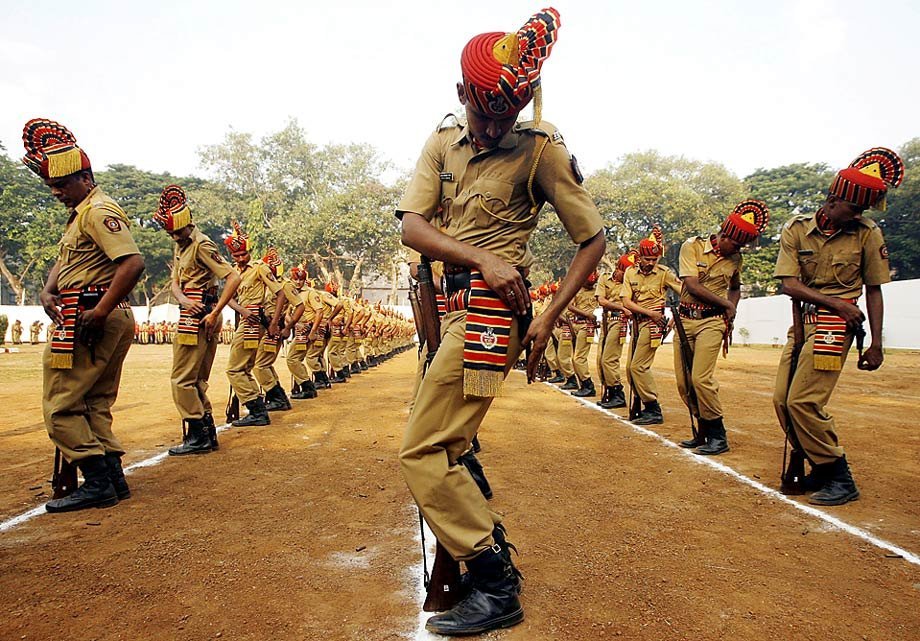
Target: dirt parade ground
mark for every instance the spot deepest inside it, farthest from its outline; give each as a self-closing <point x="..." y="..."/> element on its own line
<point x="305" y="530"/>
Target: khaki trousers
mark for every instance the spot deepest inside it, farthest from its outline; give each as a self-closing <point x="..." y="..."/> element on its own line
<point x="264" y="369"/>
<point x="190" y="373"/>
<point x="239" y="367"/>
<point x="640" y="366"/>
<point x="441" y="427"/>
<point x="295" y="363"/>
<point x="351" y="350"/>
<point x="609" y="353"/>
<point x="314" y="359"/>
<point x="564" y="352"/>
<point x="705" y="339"/>
<point x="337" y="353"/>
<point x="807" y="397"/>
<point x="77" y="402"/>
<point x="580" y="356"/>
<point x="551" y="354"/>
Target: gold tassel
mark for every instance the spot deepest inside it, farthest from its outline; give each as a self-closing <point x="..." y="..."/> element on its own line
<point x="62" y="361"/>
<point x="296" y="347"/>
<point x="537" y="105"/>
<point x="182" y="218"/>
<point x="251" y="343"/>
<point x="655" y="342"/>
<point x="482" y="383"/>
<point x="269" y="348"/>
<point x="186" y="339"/>
<point x="827" y="363"/>
<point x="64" y="163"/>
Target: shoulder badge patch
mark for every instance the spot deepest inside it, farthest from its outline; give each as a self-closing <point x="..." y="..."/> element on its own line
<point x="579" y="178"/>
<point x="215" y="255"/>
<point x="557" y="136"/>
<point x="112" y="224"/>
<point x="883" y="250"/>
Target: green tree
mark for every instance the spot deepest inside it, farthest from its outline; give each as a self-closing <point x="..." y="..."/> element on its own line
<point x="901" y="221"/>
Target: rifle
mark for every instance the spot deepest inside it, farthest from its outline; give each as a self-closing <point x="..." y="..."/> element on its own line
<point x="635" y="402"/>
<point x="686" y="361"/>
<point x="416" y="313"/>
<point x="793" y="471"/>
<point x="233" y="403"/>
<point x="63" y="477"/>
<point x="443" y="584"/>
<point x="600" y="347"/>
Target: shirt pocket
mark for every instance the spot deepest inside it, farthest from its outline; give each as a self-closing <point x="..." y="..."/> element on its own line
<point x="448" y="200"/>
<point x="489" y="199"/>
<point x="845" y="267"/>
<point x="808" y="266"/>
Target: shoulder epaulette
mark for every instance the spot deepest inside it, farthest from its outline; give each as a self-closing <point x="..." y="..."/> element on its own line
<point x="450" y="121"/>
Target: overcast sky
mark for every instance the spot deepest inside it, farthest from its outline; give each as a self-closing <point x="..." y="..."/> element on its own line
<point x="748" y="84"/>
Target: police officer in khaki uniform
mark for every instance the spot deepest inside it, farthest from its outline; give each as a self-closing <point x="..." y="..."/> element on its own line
<point x="560" y="372"/>
<point x="613" y="334"/>
<point x="257" y="279"/>
<point x="339" y="326"/>
<point x="710" y="273"/>
<point x="306" y="329"/>
<point x="16" y="332"/>
<point x="264" y="370"/>
<point x="824" y="262"/>
<point x="643" y="294"/>
<point x="490" y="178"/>
<point x="85" y="295"/>
<point x="198" y="269"/>
<point x="316" y="352"/>
<point x="584" y="322"/>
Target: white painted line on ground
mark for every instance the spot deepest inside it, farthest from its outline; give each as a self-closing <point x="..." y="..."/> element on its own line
<point x="833" y="521"/>
<point x="9" y="524"/>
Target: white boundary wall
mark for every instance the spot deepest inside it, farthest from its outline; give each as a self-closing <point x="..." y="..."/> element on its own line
<point x="768" y="319"/>
<point x="168" y="312"/>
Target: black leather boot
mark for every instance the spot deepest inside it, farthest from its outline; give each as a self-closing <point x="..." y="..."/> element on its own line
<point x="491" y="604"/>
<point x="277" y="399"/>
<point x="651" y="415"/>
<point x="338" y="377"/>
<point x="117" y="476"/>
<point x="212" y="430"/>
<point x="571" y="383"/>
<point x="702" y="428"/>
<point x="839" y="488"/>
<point x="346" y="371"/>
<point x="716" y="439"/>
<point x="557" y="377"/>
<point x="258" y="415"/>
<point x="96" y="491"/>
<point x="305" y="390"/>
<point x="355" y="368"/>
<point x="586" y="389"/>
<point x="363" y="365"/>
<point x="474" y="467"/>
<point x="817" y="477"/>
<point x="196" y="439"/>
<point x="617" y="398"/>
<point x="475" y="444"/>
<point x="322" y="380"/>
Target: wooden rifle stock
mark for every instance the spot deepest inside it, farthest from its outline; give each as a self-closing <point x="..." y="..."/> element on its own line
<point x="416" y="312"/>
<point x="443" y="586"/>
<point x="793" y="472"/>
<point x="63" y="477"/>
<point x="686" y="361"/>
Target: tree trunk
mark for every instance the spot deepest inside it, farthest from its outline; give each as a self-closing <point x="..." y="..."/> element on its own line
<point x="14" y="281"/>
<point x="393" y="297"/>
<point x="354" y="286"/>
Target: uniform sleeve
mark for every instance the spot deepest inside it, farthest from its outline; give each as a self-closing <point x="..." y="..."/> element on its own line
<point x="876" y="270"/>
<point x="574" y="206"/>
<point x="625" y="289"/>
<point x="110" y="233"/>
<point x="787" y="262"/>
<point x="265" y="273"/>
<point x="687" y="264"/>
<point x="671" y="280"/>
<point x="601" y="288"/>
<point x="288" y="288"/>
<point x="209" y="258"/>
<point x="423" y="195"/>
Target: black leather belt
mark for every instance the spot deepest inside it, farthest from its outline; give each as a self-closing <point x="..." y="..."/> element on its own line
<point x="696" y="313"/>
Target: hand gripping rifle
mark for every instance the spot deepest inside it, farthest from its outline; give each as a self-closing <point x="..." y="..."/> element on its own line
<point x="63" y="477"/>
<point x="793" y="474"/>
<point x="686" y="362"/>
<point x="443" y="584"/>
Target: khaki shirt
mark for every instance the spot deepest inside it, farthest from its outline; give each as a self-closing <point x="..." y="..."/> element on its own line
<point x="257" y="280"/>
<point x="198" y="265"/>
<point x="648" y="290"/>
<point x="329" y="303"/>
<point x="482" y="195"/>
<point x="837" y="265"/>
<point x="697" y="258"/>
<point x="97" y="235"/>
<point x="608" y="288"/>
<point x="290" y="294"/>
<point x="585" y="302"/>
<point x="312" y="305"/>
